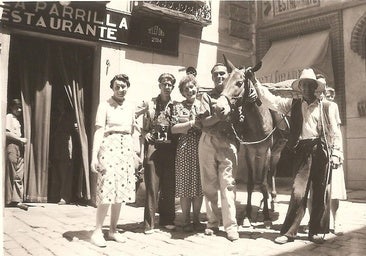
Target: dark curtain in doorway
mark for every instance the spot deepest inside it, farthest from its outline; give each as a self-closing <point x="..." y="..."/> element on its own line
<point x="36" y="62"/>
<point x="36" y="90"/>
<point x="72" y="79"/>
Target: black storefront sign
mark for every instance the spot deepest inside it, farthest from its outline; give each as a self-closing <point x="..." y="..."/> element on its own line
<point x="92" y="21"/>
<point x="154" y="35"/>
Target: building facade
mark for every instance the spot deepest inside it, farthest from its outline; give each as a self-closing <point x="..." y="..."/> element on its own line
<point x="329" y="36"/>
<point x="69" y="51"/>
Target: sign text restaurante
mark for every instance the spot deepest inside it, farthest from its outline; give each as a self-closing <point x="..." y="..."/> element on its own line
<point x="89" y="22"/>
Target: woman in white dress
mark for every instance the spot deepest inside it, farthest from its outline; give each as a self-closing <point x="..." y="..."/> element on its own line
<point x="338" y="187"/>
<point x="113" y="158"/>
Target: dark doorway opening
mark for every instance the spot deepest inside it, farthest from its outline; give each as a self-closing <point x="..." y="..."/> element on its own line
<point x="54" y="81"/>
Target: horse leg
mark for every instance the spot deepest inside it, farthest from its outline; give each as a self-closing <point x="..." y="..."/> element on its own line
<point x="264" y="167"/>
<point x="276" y="150"/>
<point x="250" y="186"/>
<point x="272" y="180"/>
<point x="267" y="220"/>
<point x="247" y="222"/>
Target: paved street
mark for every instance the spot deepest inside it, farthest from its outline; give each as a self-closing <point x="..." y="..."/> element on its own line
<point x="50" y="229"/>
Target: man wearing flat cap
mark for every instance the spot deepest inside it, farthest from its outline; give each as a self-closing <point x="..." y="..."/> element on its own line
<point x="159" y="156"/>
<point x="315" y="140"/>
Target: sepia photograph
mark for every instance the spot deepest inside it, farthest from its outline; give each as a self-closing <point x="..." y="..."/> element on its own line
<point x="183" y="128"/>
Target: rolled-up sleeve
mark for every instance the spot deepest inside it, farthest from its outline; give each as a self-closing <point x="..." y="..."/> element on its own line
<point x="276" y="103"/>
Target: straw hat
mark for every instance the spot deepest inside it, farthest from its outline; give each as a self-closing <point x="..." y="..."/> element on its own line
<point x="308" y="73"/>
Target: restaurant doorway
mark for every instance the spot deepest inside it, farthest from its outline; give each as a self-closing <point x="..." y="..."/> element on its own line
<point x="53" y="79"/>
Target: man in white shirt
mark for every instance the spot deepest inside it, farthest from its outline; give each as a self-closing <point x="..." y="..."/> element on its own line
<point x="314" y="138"/>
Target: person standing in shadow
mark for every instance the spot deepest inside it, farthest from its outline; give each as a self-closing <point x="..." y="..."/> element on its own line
<point x="14" y="190"/>
<point x="62" y="152"/>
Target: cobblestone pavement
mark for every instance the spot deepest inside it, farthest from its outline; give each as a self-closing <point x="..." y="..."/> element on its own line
<point x="50" y="229"/>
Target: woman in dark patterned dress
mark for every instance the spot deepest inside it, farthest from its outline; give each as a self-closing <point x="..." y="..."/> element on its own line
<point x="188" y="126"/>
<point x="113" y="158"/>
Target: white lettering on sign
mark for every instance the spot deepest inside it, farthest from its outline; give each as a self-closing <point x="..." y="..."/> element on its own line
<point x="108" y="21"/>
<point x="54" y="10"/>
<point x="279" y="76"/>
<point x="16" y="17"/>
<point x="41" y="23"/>
<point x="285" y="6"/>
<point x="157" y="34"/>
<point x="55" y="17"/>
<point x="156" y="31"/>
<point x="40" y="6"/>
<point x="123" y="24"/>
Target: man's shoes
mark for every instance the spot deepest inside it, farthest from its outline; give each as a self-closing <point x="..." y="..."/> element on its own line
<point x="97" y="239"/>
<point x="169" y="227"/>
<point x="283" y="239"/>
<point x="198" y="226"/>
<point x="22" y="206"/>
<point x="188" y="228"/>
<point x="232" y="235"/>
<point x="305" y="229"/>
<point x="317" y="239"/>
<point x="119" y="238"/>
<point x="149" y="231"/>
<point x="62" y="202"/>
<point x="211" y="231"/>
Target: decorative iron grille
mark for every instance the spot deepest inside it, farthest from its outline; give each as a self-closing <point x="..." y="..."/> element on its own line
<point x="194" y="11"/>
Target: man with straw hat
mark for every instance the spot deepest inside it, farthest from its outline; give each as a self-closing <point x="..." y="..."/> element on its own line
<point x="315" y="140"/>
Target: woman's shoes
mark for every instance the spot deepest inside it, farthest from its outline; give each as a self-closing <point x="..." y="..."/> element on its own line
<point x="283" y="240"/>
<point x="170" y="227"/>
<point x="22" y="206"/>
<point x="118" y="237"/>
<point x="338" y="230"/>
<point x="97" y="239"/>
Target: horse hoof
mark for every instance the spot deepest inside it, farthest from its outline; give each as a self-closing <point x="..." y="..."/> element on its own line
<point x="267" y="224"/>
<point x="246" y="223"/>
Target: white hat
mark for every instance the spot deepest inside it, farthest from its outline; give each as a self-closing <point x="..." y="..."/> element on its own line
<point x="308" y="73"/>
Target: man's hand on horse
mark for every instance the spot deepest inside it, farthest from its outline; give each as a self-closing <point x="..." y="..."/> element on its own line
<point x="253" y="96"/>
<point x="249" y="74"/>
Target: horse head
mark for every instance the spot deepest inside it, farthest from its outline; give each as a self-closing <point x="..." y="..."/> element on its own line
<point x="236" y="86"/>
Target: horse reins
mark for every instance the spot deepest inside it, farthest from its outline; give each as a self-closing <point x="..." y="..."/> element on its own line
<point x="258" y="141"/>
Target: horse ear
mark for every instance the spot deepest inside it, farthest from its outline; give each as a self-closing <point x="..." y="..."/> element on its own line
<point x="230" y="66"/>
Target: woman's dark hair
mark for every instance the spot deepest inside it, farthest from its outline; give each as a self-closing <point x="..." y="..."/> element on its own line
<point x="120" y="77"/>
